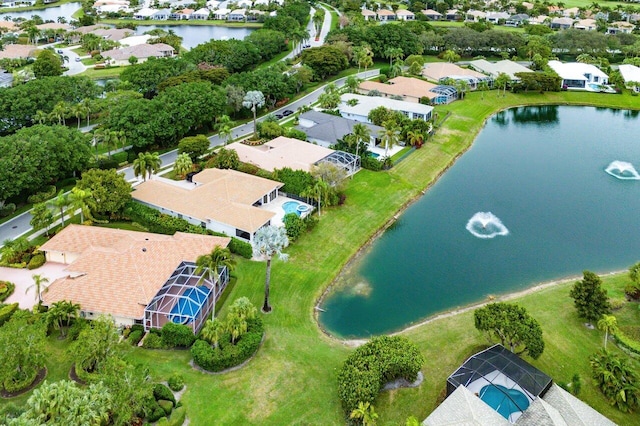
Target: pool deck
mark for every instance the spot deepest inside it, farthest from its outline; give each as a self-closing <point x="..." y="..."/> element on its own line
<point x="276" y="207"/>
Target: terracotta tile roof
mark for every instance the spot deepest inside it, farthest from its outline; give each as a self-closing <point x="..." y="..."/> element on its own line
<point x="119" y="272"/>
<point x="224" y="196"/>
<point x="140" y="51"/>
<point x="437" y="70"/>
<point x="402" y="86"/>
<point x="15" y="51"/>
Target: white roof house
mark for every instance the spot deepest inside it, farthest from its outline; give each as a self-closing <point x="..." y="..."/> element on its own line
<point x="237" y="15"/>
<point x="360" y="111"/>
<point x="586" y="24"/>
<point x="501" y="67"/>
<point x="221" y="14"/>
<point x="201" y="14"/>
<point x="494" y="17"/>
<point x="135" y="40"/>
<point x="578" y="75"/>
<point x="630" y="74"/>
<point x="144" y="13"/>
<point x="405" y="15"/>
<point x="213" y="4"/>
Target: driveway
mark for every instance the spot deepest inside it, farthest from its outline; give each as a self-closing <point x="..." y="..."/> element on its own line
<point x="75" y="67"/>
<point x="22" y="279"/>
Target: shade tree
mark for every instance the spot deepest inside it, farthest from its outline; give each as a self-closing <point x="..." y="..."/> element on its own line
<point x="22" y="350"/>
<point x="589" y="298"/>
<point x="110" y="191"/>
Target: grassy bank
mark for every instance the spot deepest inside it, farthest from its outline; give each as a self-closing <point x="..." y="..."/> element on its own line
<point x="292" y="380"/>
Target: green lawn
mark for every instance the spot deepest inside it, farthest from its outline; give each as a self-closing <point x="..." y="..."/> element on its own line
<point x="292" y="379"/>
<point x="112" y="72"/>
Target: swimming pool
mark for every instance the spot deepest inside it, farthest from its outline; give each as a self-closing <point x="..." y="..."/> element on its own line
<point x="504" y="401"/>
<point x="188" y="307"/>
<point x="291" y="207"/>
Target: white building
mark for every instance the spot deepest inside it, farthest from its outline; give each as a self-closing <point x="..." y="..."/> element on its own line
<point x="630" y="74"/>
<point x="576" y="75"/>
<point x="360" y="111"/>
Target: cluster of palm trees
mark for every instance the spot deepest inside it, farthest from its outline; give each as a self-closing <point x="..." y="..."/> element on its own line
<point x="63" y="110"/>
<point x="110" y="139"/>
<point x="236" y="323"/>
<point x="210" y="266"/>
<point x="59" y="313"/>
<point x="146" y="164"/>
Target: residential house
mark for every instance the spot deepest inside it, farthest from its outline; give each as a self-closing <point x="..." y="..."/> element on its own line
<point x="475" y="16"/>
<point x="254" y="15"/>
<point x="237" y="15"/>
<point x="497" y="17"/>
<point x="572" y="12"/>
<point x="201" y="14"/>
<point x="453" y="15"/>
<point x="360" y="111"/>
<point x="221" y="14"/>
<point x="385" y="15"/>
<point x="326" y="129"/>
<point x="182" y="15"/>
<point x="213" y="4"/>
<point x="492" y="69"/>
<point x="113" y="34"/>
<point x="135" y="40"/>
<point x="135" y="277"/>
<point x="142" y="52"/>
<point x="432" y="15"/>
<point x="144" y="13"/>
<point x="18" y="51"/>
<point x="443" y="71"/>
<point x="576" y="75"/>
<point x="369" y="15"/>
<point x="517" y="20"/>
<point x="161" y="15"/>
<point x="586" y="25"/>
<point x="405" y="15"/>
<point x="528" y="5"/>
<point x="561" y="23"/>
<point x="630" y="74"/>
<point x="620" y="27"/>
<point x="406" y="89"/>
<point x="539" y="20"/>
<point x="224" y="201"/>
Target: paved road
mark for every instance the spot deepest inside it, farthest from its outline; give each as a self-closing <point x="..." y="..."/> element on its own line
<point x="326" y="26"/>
<point x="75" y="67"/>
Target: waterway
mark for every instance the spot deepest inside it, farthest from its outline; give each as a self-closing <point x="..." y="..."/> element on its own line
<point x="193" y="35"/>
<point x="48" y="14"/>
<point x="545" y="173"/>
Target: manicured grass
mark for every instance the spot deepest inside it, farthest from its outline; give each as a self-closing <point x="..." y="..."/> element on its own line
<point x="452" y="24"/>
<point x="292" y="379"/>
<point x="112" y="72"/>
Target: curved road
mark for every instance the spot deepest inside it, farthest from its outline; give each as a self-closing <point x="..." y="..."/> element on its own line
<point x="19" y="225"/>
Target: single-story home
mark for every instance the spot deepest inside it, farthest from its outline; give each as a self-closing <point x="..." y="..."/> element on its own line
<point x="497" y="17"/>
<point x="360" y="111"/>
<point x="517" y="20"/>
<point x="405" y="15"/>
<point x="237" y="15"/>
<point x="201" y="14"/>
<point x="161" y="15"/>
<point x="182" y="15"/>
<point x="620" y="27"/>
<point x="293" y="153"/>
<point x="474" y="15"/>
<point x="325" y="129"/>
<point x="369" y="15"/>
<point x="432" y="15"/>
<point x="571" y="12"/>
<point x="213" y="4"/>
<point x="498" y="388"/>
<point x="221" y="14"/>
<point x="631" y="76"/>
<point x="18" y="51"/>
<point x="441" y="71"/>
<point x="54" y="26"/>
<point x="225" y="201"/>
<point x="385" y="15"/>
<point x="113" y="34"/>
<point x="254" y="15"/>
<point x="144" y="13"/>
<point x="539" y="20"/>
<point x="576" y="75"/>
<point x="561" y="23"/>
<point x="586" y="25"/>
<point x="453" y="15"/>
<point x="407" y="88"/>
<point x="141" y="52"/>
<point x="494" y="69"/>
<point x="136" y="277"/>
<point x="135" y="40"/>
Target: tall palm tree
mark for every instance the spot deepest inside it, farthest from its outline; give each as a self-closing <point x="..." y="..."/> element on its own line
<point x="79" y="110"/>
<point x="62" y="313"/>
<point x="483" y="86"/>
<point x="182" y="165"/>
<point x="236" y="326"/>
<point x="393" y="53"/>
<point x="501" y="82"/>
<point x="608" y="324"/>
<point x="140" y="166"/>
<point x="211" y="264"/>
<point x="60" y="111"/>
<point x="153" y="162"/>
<point x="362" y="134"/>
<point x="318" y="191"/>
<point x="81" y="199"/>
<point x="224" y="124"/>
<point x="86" y="105"/>
<point x="61" y="202"/>
<point x="40" y="117"/>
<point x="212" y="331"/>
<point x="39" y="286"/>
<point x="390" y="137"/>
<point x="253" y="100"/>
<point x="268" y="242"/>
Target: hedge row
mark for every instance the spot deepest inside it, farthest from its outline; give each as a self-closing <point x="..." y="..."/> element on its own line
<point x="228" y="355"/>
<point x="627" y="342"/>
<point x="6" y="290"/>
<point x="381" y="360"/>
<point x="161" y="223"/>
<point x="11" y="385"/>
<point x="6" y="311"/>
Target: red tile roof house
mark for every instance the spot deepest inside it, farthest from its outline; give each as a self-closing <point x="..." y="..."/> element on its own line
<point x="136" y="277"/>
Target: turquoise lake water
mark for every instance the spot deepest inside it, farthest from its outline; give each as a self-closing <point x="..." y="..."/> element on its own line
<point x="541" y="172"/>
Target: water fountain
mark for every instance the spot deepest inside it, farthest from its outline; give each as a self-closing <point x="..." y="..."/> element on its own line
<point x="622" y="170"/>
<point x="486" y="225"/>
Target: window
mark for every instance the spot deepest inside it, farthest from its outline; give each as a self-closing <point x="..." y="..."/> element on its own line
<point x="203" y="224"/>
<point x="179" y="216"/>
<point x="243" y="234"/>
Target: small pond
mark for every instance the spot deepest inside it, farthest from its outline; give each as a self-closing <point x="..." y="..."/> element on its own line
<point x="193" y="35"/>
<point x="48" y="14"/>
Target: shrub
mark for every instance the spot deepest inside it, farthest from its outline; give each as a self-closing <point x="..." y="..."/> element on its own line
<point x="248" y="168"/>
<point x="294" y="226"/>
<point x="296" y="134"/>
<point x="269" y="130"/>
<point x="160" y="391"/>
<point x="177" y="335"/>
<point x="135" y="327"/>
<point x="11" y="385"/>
<point x="36" y="261"/>
<point x="176" y="383"/>
<point x="154" y="412"/>
<point x="227" y="355"/>
<point x="43" y="196"/>
<point x="226" y="159"/>
<point x="76" y="328"/>
<point x="632" y="291"/>
<point x="371" y="163"/>
<point x="373" y="364"/>
<point x="295" y="181"/>
<point x="7" y="209"/>
<point x="167" y="406"/>
<point x="135" y="337"/>
<point x="178" y="417"/>
<point x="627" y="342"/>
<point x="163" y="421"/>
<point x="241" y="248"/>
<point x="6" y="290"/>
<point x="7" y="311"/>
<point x="153" y="341"/>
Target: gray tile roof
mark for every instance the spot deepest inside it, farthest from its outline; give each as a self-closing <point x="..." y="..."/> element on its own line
<point x="330" y="128"/>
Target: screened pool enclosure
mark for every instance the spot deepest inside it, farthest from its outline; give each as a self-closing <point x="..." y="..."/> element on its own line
<point x="185" y="298"/>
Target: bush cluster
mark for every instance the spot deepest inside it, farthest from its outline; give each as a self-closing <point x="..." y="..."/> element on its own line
<point x="368" y="368"/>
<point x="295" y="181"/>
<point x="370" y="163"/>
<point x="6" y="311"/>
<point x="36" y="261"/>
<point x="7" y="209"/>
<point x="627" y="342"/>
<point x="43" y="196"/>
<point x="161" y="392"/>
<point x="296" y="226"/>
<point x="176" y="383"/>
<point x="153" y="341"/>
<point x="177" y="335"/>
<point x="228" y="355"/>
<point x="161" y="223"/>
<point x="177" y="419"/>
<point x="11" y="385"/>
<point x="135" y="337"/>
<point x="6" y="290"/>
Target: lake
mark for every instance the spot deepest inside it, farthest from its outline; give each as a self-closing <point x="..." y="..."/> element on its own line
<point x="48" y="14"/>
<point x="193" y="35"/>
<point x="542" y="174"/>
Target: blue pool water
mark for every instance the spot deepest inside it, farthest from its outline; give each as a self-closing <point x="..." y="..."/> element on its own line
<point x="189" y="306"/>
<point x="291" y="207"/>
<point x="374" y="155"/>
<point x="504" y="401"/>
<point x="595" y="86"/>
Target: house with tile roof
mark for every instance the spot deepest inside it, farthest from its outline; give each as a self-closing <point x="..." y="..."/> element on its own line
<point x="620" y="27"/>
<point x="369" y="15"/>
<point x="141" y="52"/>
<point x="432" y="15"/>
<point x="404" y="88"/>
<point x="135" y="277"/>
<point x="385" y="15"/>
<point x="405" y="15"/>
<point x="494" y="69"/>
<point x="226" y="201"/>
<point x="587" y="24"/>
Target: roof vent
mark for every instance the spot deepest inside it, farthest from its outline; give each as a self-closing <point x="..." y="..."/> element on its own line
<point x="144" y="249"/>
<point x="146" y="239"/>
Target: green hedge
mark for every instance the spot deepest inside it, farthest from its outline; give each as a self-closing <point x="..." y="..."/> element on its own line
<point x="176" y="383"/>
<point x="135" y="336"/>
<point x="36" y="261"/>
<point x="369" y="367"/>
<point x="178" y="416"/>
<point x="43" y="196"/>
<point x="627" y="342"/>
<point x="11" y="385"/>
<point x="227" y="355"/>
<point x="177" y="335"/>
<point x="161" y="392"/>
<point x="161" y="223"/>
<point x="6" y="290"/>
<point x="6" y="311"/>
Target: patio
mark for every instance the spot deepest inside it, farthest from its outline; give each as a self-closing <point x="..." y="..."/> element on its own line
<point x="276" y="207"/>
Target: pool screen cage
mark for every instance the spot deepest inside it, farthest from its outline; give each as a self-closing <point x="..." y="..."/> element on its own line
<point x="346" y="160"/>
<point x="187" y="296"/>
<point x="490" y="367"/>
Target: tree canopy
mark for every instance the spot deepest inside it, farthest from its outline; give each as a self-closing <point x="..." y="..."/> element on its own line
<point x="110" y="191"/>
<point x="590" y="299"/>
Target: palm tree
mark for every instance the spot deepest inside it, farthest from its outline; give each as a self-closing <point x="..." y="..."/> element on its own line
<point x="62" y="312"/>
<point x="41" y="117"/>
<point x="351" y="84"/>
<point x="211" y="264"/>
<point x="462" y="86"/>
<point x="396" y="69"/>
<point x="450" y="56"/>
<point x="224" y="125"/>
<point x="501" y="81"/>
<point x="109" y="138"/>
<point x="393" y="53"/>
<point x="86" y="104"/>
<point x="81" y="199"/>
<point x="415" y="139"/>
<point x="39" y="285"/>
<point x="140" y="166"/>
<point x="319" y="190"/>
<point x="236" y="326"/>
<point x="79" y="110"/>
<point x="60" y="202"/>
<point x="59" y="112"/>
<point x="366" y="413"/>
<point x="253" y="100"/>
<point x="390" y="137"/>
<point x="182" y="165"/>
<point x="608" y="324"/>
<point x="483" y="86"/>
<point x="361" y="134"/>
<point x="269" y="241"/>
<point x="153" y="162"/>
<point x="212" y="331"/>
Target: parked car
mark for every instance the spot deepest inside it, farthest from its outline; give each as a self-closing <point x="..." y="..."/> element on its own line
<point x="287" y="112"/>
<point x="278" y="116"/>
<point x="78" y="59"/>
<point x="60" y="51"/>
